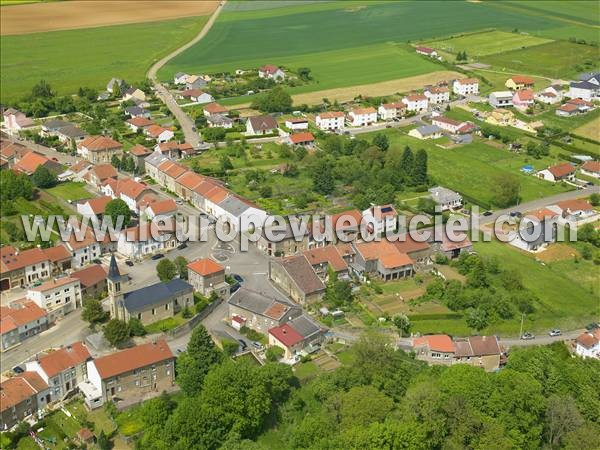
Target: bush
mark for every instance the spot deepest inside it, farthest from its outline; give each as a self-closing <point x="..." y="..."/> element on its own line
<point x="274" y="353"/>
<point x="230" y="347"/>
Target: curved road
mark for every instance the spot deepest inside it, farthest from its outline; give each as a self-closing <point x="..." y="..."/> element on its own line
<point x="187" y="124"/>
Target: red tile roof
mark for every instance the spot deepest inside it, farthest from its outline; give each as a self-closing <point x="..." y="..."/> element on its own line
<point x="342" y="221"/>
<point x="385" y="252"/>
<point x="569" y="107"/>
<point x="575" y="205"/>
<point x="521" y="79"/>
<point x="276" y="310"/>
<point x="331" y="115"/>
<point x="133" y="358"/>
<point x="22" y="314"/>
<point x="591" y="166"/>
<point x="12" y="259"/>
<point x="468" y="81"/>
<point x="299" y="138"/>
<point x="51" y="284"/>
<point x="104" y="171"/>
<point x="424" y="49"/>
<point x="190" y="180"/>
<point x="416" y="97"/>
<point x="98" y="204"/>
<point x="561" y="170"/>
<point x="67" y="357"/>
<point x="446" y="120"/>
<point x="328" y="254"/>
<point x="541" y="214"/>
<point x="140" y="122"/>
<point x="31" y="161"/>
<point x="368" y="110"/>
<point x="139" y="150"/>
<point x="398" y="105"/>
<point x="286" y="334"/>
<point x="435" y="342"/>
<point x="192" y="93"/>
<point x="155" y="130"/>
<point x="526" y="95"/>
<point x="57" y="253"/>
<point x="99" y="143"/>
<point x="587" y="340"/>
<point x="205" y="267"/>
<point x="215" y="108"/>
<point x="269" y="68"/>
<point x="90" y="276"/>
<point x="163" y="206"/>
<point x="19" y="388"/>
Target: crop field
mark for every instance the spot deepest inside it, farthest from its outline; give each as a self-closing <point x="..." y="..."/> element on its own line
<point x="54" y="16"/>
<point x="64" y="59"/>
<point x="590" y="130"/>
<point x="556" y="60"/>
<point x="486" y="43"/>
<point x="364" y="35"/>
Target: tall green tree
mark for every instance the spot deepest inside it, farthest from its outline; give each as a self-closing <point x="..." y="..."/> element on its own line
<point x="117" y="210"/>
<point x="93" y="312"/>
<point x="196" y="361"/>
<point x="407" y="164"/>
<point x="322" y="177"/>
<point x="116" y="332"/>
<point x="419" y="174"/>
<point x="275" y="100"/>
<point x="166" y="270"/>
<point x="181" y="262"/>
<point x="43" y="178"/>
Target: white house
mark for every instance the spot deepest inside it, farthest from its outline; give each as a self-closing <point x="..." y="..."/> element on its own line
<point x="587" y="345"/>
<point x="146" y="239"/>
<point x="447" y="124"/>
<point x="238" y="211"/>
<point x="258" y="125"/>
<point x="550" y="95"/>
<point x="197" y="96"/>
<point x="271" y="72"/>
<point x="180" y="78"/>
<point x="362" y="116"/>
<point x="298" y="123"/>
<point x="575" y="212"/>
<point x="426" y="51"/>
<point x="84" y="251"/>
<point x="591" y="169"/>
<point x="15" y="121"/>
<point x="437" y="94"/>
<point x="445" y="198"/>
<point x="536" y="231"/>
<point x="391" y="111"/>
<point x="135" y="123"/>
<point x="128" y="190"/>
<point x="501" y="99"/>
<point x="159" y="133"/>
<point x="380" y="219"/>
<point x="58" y="297"/>
<point x="93" y="207"/>
<point x="416" y="102"/>
<point x="163" y="208"/>
<point x="587" y="88"/>
<point x="426" y="132"/>
<point x="134" y="94"/>
<point x="466" y="86"/>
<point x="330" y="121"/>
<point x="559" y="172"/>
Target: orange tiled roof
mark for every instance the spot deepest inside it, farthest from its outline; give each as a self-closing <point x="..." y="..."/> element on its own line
<point x="67" y="357"/>
<point x="133" y="358"/>
<point x="205" y="266"/>
<point x="435" y="342"/>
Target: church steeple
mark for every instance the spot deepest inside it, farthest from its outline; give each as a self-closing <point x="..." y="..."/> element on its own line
<point x="113" y="281"/>
<point x="113" y="269"/>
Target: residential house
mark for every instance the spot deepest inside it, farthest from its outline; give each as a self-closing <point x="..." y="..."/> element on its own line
<point x="426" y="132"/>
<point x="22" y="396"/>
<point x="145" y="239"/>
<point x="330" y="121"/>
<point x="501" y="99"/>
<point x="575" y="212"/>
<point x="58" y="297"/>
<point x="383" y="260"/>
<point x="345" y="226"/>
<point x="63" y="369"/>
<point x="560" y="172"/>
<point x="466" y="86"/>
<point x="591" y="169"/>
<point x="271" y="72"/>
<point x="115" y="82"/>
<point x="94" y="207"/>
<point x="519" y="82"/>
<point x="32" y="160"/>
<point x="168" y="172"/>
<point x="305" y="139"/>
<point x="586" y="88"/>
<point x="426" y="51"/>
<point x="296" y="277"/>
<point x="15" y="121"/>
<point x="129" y="375"/>
<point x="139" y="123"/>
<point x="536" y="230"/>
<point x="478" y="351"/>
<point x="380" y="219"/>
<point x="80" y="169"/>
<point x="171" y="149"/>
<point x="567" y="110"/>
<point x="208" y="276"/>
<point x="451" y="246"/>
<point x="297" y="123"/>
<point x="416" y="102"/>
<point x="162" y="208"/>
<point x="19" y="322"/>
<point x="391" y="111"/>
<point x="137" y="111"/>
<point x="323" y="259"/>
<point x="300" y="335"/>
<point x="59" y="257"/>
<point x="419" y="251"/>
<point x="92" y="280"/>
<point x="83" y="246"/>
<point x="207" y="195"/>
<point x="214" y="109"/>
<point x="197" y="96"/>
<point x="551" y="95"/>
<point x="219" y="121"/>
<point x="284" y="242"/>
<point x="523" y="99"/>
<point x="11" y="152"/>
<point x="258" y="312"/>
<point x="134" y="94"/>
<point x="99" y="149"/>
<point x="186" y="183"/>
<point x="152" y="163"/>
<point x="20" y="268"/>
<point x="99" y="174"/>
<point x="437" y="94"/>
<point x="158" y="133"/>
<point x="445" y="198"/>
<point x="139" y="153"/>
<point x="128" y="190"/>
<point x="587" y="345"/>
<point x="150" y="303"/>
<point x="360" y="117"/>
<point x="239" y="213"/>
<point x="180" y="78"/>
<point x="260" y="125"/>
<point x="448" y="124"/>
<point x="434" y="349"/>
<point x="195" y="82"/>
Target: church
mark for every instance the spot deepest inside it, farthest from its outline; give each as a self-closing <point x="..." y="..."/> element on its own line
<point x="148" y="304"/>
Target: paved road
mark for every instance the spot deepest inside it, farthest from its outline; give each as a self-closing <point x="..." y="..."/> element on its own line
<point x="187" y="124"/>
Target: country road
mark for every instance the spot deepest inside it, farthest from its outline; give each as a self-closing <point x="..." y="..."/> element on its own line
<point x="187" y="124"/>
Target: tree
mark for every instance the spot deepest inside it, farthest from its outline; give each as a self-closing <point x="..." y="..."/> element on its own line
<point x="381" y="141"/>
<point x="116" y="332"/>
<point x="14" y="185"/>
<point x="507" y="190"/>
<point x="42" y="90"/>
<point x="117" y="210"/>
<point x="562" y="417"/>
<point x="322" y="176"/>
<point x="427" y="205"/>
<point x="402" y="323"/>
<point x="275" y="100"/>
<point x="215" y="134"/>
<point x="181" y="263"/>
<point x="230" y="347"/>
<point x="136" y="328"/>
<point x="115" y="161"/>
<point x="274" y="353"/>
<point x="595" y="199"/>
<point x="226" y="163"/>
<point x="43" y="178"/>
<point x="166" y="270"/>
<point x="477" y="319"/>
<point x="304" y="73"/>
<point x="419" y="175"/>
<point x="103" y="442"/>
<point x="116" y="90"/>
<point x="407" y="161"/>
<point x="93" y="312"/>
<point x="194" y="364"/>
<point x="364" y="405"/>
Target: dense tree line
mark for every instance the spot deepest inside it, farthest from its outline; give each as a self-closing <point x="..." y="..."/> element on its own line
<point x="384" y="399"/>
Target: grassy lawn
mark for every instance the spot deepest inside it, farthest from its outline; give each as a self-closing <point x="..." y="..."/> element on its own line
<point x="555" y="59"/>
<point x="306" y="370"/>
<point x="166" y="324"/>
<point x="70" y="191"/>
<point x="67" y="61"/>
<point x="486" y="43"/>
<point x="130" y="421"/>
<point x="101" y="420"/>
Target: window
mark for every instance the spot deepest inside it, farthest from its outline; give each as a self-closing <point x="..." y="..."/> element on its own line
<point x="153" y="312"/>
<point x="67" y="299"/>
<point x="167" y="307"/>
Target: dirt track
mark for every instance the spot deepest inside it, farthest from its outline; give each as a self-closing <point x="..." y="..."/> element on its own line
<point x="54" y="16"/>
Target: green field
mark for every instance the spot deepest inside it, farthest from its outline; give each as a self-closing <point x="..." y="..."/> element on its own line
<point x="88" y="57"/>
<point x="302" y="35"/>
<point x="556" y="59"/>
<point x="70" y="191"/>
<point x="486" y="43"/>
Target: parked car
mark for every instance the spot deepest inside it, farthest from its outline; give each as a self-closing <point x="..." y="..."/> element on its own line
<point x="488" y="213"/>
<point x="237" y="278"/>
<point x="96" y="261"/>
<point x="528" y="336"/>
<point x="243" y="344"/>
<point x="157" y="256"/>
<point x="129" y="263"/>
<point x="515" y="214"/>
<point x="178" y="202"/>
<point x="258" y="345"/>
<point x="182" y="246"/>
<point x="234" y="287"/>
<point x="18" y="369"/>
<point x="592" y="326"/>
<point x="554" y="333"/>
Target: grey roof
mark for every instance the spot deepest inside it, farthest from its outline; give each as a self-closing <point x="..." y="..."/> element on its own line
<point x="305" y="326"/>
<point x="155" y="294"/>
<point x="72" y="131"/>
<point x="200" y="82"/>
<point x="234" y="206"/>
<point x="289" y="231"/>
<point x="444" y="195"/>
<point x="155" y="158"/>
<point x="55" y="124"/>
<point x="180" y="74"/>
<point x="219" y="119"/>
<point x="262" y="123"/>
<point x="590" y="76"/>
<point x="135" y="110"/>
<point x="113" y="269"/>
<point x="254" y="302"/>
<point x="299" y="269"/>
<point x="585" y="85"/>
<point x="427" y="130"/>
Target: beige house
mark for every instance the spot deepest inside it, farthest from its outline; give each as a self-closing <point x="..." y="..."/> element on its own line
<point x="207" y="276"/>
<point x="296" y="277"/>
<point x="300" y="335"/>
<point x="22" y="396"/>
<point x="99" y="149"/>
